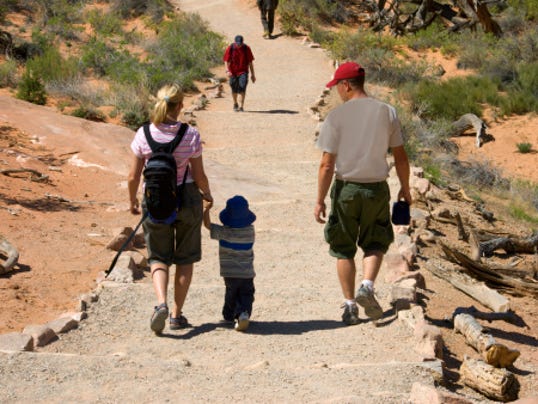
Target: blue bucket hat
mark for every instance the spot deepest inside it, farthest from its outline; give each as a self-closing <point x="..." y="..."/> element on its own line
<point x="237" y="213"/>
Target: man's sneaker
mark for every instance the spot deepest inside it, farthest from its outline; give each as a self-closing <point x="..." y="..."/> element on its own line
<point x="242" y="322"/>
<point x="266" y="35"/>
<point x="158" y="319"/>
<point x="236" y="107"/>
<point x="365" y="297"/>
<point x="351" y="314"/>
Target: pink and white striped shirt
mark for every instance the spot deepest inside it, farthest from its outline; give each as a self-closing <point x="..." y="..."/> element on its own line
<point x="190" y="146"/>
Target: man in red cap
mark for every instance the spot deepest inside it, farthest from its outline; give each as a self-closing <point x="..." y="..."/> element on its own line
<point x="239" y="60"/>
<point x="354" y="139"/>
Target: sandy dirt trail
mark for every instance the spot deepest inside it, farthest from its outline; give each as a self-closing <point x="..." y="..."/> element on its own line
<point x="296" y="349"/>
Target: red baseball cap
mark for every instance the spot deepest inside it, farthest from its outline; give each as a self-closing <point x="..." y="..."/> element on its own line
<point x="348" y="70"/>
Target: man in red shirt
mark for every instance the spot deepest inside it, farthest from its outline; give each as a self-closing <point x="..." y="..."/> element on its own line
<point x="238" y="58"/>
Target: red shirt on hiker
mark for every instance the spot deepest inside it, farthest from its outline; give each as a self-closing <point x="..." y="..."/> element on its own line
<point x="238" y="57"/>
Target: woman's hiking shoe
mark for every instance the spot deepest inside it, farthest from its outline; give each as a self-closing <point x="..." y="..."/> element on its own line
<point x="242" y="322"/>
<point x="236" y="107"/>
<point x="365" y="297"/>
<point x="158" y="319"/>
<point x="351" y="314"/>
<point x="177" y="323"/>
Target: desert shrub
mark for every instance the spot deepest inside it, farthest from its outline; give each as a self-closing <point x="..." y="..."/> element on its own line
<point x="522" y="93"/>
<point x="320" y="35"/>
<point x="8" y="73"/>
<point x="452" y="98"/>
<point x="78" y="91"/>
<point x="525" y="192"/>
<point x="105" y="24"/>
<point x="479" y="174"/>
<point x="185" y="50"/>
<point x="155" y="9"/>
<point x="524" y="147"/>
<point x="296" y="15"/>
<point x="116" y="64"/>
<point x="348" y="44"/>
<point x="131" y="103"/>
<point x="5" y="7"/>
<point x="521" y="213"/>
<point x="31" y="88"/>
<point x="96" y="55"/>
<point x="89" y="113"/>
<point x="529" y="7"/>
<point x="51" y="66"/>
<point x="474" y="48"/>
<point x="434" y="36"/>
<point x="512" y="20"/>
<point x="61" y="15"/>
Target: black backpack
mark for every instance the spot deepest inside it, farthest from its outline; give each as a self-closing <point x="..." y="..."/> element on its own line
<point x="160" y="175"/>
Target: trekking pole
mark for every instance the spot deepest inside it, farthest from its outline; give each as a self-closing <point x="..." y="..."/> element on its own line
<point x="107" y="272"/>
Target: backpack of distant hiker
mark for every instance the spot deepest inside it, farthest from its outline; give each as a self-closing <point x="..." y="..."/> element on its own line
<point x="161" y="192"/>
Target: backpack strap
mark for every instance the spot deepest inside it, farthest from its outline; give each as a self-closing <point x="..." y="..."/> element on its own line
<point x="170" y="146"/>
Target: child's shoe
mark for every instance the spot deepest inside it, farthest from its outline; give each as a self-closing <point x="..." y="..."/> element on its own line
<point x="242" y="322"/>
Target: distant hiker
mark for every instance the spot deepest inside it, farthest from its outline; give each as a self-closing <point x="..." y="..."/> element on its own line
<point x="354" y="139"/>
<point x="179" y="242"/>
<point x="238" y="58"/>
<point x="267" y="12"/>
<point x="236" y="239"/>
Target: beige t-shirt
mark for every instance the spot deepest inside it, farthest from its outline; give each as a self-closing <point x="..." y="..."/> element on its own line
<point x="360" y="133"/>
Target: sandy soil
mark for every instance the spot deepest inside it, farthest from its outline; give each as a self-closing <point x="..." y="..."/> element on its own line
<point x="298" y="347"/>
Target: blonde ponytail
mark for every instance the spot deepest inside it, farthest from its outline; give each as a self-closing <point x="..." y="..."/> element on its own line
<point x="168" y="98"/>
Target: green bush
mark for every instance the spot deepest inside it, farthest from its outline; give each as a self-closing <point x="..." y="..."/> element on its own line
<point x="348" y="44"/>
<point x="433" y="37"/>
<point x="105" y="24"/>
<point x="155" y="9"/>
<point x="8" y="73"/>
<point x="524" y="147"/>
<point x="520" y="213"/>
<point x="32" y="89"/>
<point x="452" y="98"/>
<point x="530" y="7"/>
<point x="89" y="113"/>
<point x="52" y="67"/>
<point x="185" y="50"/>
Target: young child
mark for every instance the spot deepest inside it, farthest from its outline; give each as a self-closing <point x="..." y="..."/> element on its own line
<point x="236" y="239"/>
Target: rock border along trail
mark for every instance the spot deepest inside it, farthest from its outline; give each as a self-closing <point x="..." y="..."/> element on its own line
<point x="296" y="349"/>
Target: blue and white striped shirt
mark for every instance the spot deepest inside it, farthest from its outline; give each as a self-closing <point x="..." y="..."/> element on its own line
<point x="235" y="250"/>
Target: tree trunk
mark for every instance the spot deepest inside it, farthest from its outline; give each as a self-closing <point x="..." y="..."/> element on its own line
<point x="494" y="354"/>
<point x="488" y="274"/>
<point x="470" y="121"/>
<point x="497" y="384"/>
<point x="10" y="252"/>
<point x="461" y="281"/>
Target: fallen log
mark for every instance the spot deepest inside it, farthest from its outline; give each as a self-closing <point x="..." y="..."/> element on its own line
<point x="485" y="273"/>
<point x="477" y="290"/>
<point x="11" y="254"/>
<point x="510" y="245"/>
<point x="509" y="316"/>
<point x="497" y="384"/>
<point x="497" y="355"/>
<point x="35" y="175"/>
<point x="470" y="121"/>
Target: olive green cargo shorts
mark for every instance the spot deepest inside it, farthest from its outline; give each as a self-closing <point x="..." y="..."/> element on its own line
<point x="360" y="216"/>
<point x="180" y="242"/>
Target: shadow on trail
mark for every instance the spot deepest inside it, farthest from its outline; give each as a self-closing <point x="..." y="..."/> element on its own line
<point x="264" y="328"/>
<point x="275" y="111"/>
